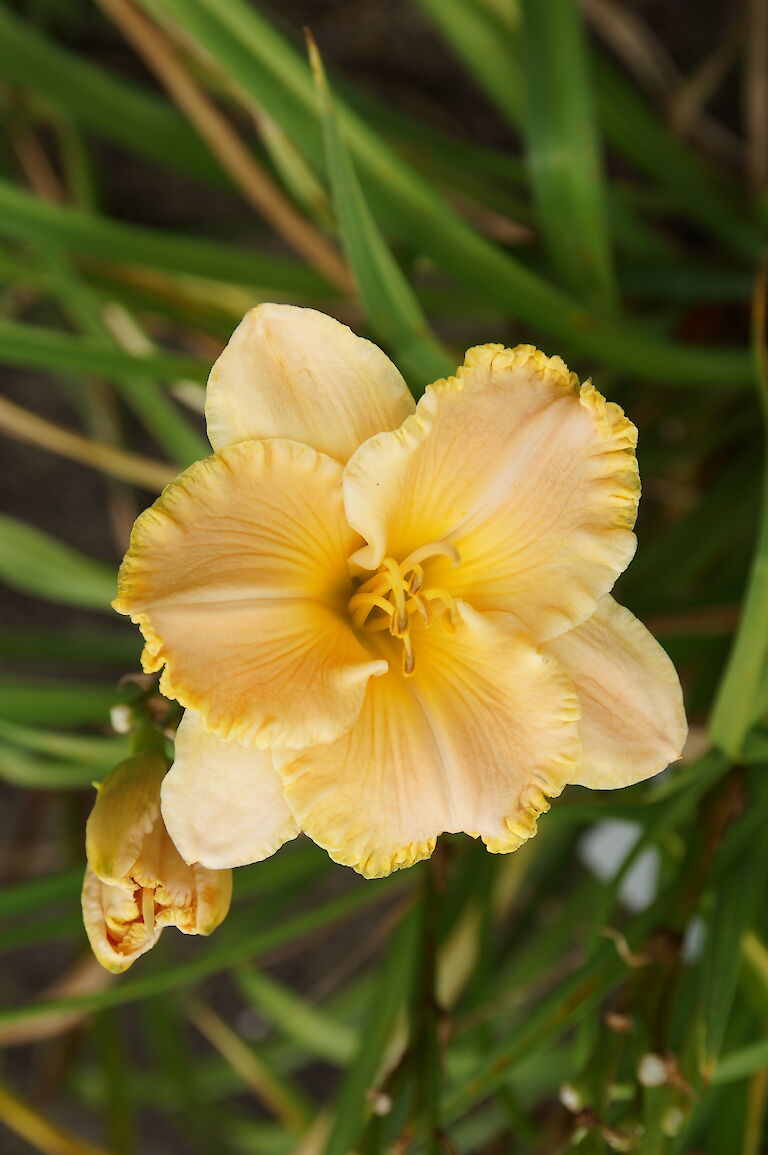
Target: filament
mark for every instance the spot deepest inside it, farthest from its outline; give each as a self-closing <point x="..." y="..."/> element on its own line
<point x="389" y="598"/>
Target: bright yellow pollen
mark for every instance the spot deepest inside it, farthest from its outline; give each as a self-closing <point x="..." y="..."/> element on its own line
<point x="388" y="599"/>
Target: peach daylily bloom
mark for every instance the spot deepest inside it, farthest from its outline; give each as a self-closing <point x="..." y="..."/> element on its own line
<point x="136" y="883"/>
<point x="388" y="620"/>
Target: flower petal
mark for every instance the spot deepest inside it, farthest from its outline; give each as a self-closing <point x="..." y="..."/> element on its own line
<point x="116" y="936"/>
<point x="477" y="740"/>
<point x="633" y="720"/>
<point x="213" y="889"/>
<point x="296" y="373"/>
<point x="532" y="480"/>
<point x="126" y="810"/>
<point x="237" y="576"/>
<point x="223" y="803"/>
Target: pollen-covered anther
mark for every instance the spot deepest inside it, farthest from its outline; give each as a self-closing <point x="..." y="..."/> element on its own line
<point x="388" y="599"/>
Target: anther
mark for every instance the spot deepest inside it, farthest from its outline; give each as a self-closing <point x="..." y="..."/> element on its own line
<point x="398" y="592"/>
<point x="399" y="626"/>
<point x="434" y="549"/>
<point x="417" y="580"/>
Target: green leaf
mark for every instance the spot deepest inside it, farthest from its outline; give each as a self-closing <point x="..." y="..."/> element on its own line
<point x="734" y="710"/>
<point x="390" y="995"/>
<point x="563" y="151"/>
<point x="486" y="37"/>
<point x="742" y="1063"/>
<point x="482" y="42"/>
<point x="741" y="686"/>
<point x="21" y="768"/>
<point x="249" y="50"/>
<point x="29" y="896"/>
<point x="636" y="132"/>
<point x="226" y="951"/>
<point x="30" y="219"/>
<point x="736" y="904"/>
<point x="45" y="702"/>
<point x="115" y="650"/>
<point x="314" y="1029"/>
<point x="35" y="347"/>
<point x="35" y="563"/>
<point x="390" y="304"/>
<point x="101" y="100"/>
<point x="90" y="750"/>
<point x="148" y="400"/>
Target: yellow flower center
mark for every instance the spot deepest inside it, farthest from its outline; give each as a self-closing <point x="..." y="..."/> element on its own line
<point x="388" y="599"/>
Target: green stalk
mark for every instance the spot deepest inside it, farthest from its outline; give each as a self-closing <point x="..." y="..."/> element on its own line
<point x="739" y="689"/>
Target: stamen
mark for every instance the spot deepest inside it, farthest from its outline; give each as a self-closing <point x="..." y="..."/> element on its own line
<point x="398" y="592"/>
<point x="376" y="625"/>
<point x="434" y="549"/>
<point x="368" y="602"/>
<point x="400" y="623"/>
<point x="435" y="594"/>
<point x="409" y="664"/>
<point x="418" y="603"/>
<point x="148" y="908"/>
<point x="417" y="581"/>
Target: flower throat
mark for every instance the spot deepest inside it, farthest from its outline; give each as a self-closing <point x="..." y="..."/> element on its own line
<point x="389" y="598"/>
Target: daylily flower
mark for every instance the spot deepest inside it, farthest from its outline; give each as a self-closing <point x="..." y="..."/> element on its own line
<point x="387" y="621"/>
<point x="136" y="882"/>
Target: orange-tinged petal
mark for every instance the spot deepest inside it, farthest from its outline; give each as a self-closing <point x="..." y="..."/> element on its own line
<point x="633" y="720"/>
<point x="296" y="373"/>
<point x="127" y="808"/>
<point x="116" y="936"/>
<point x="237" y="576"/>
<point x="136" y="882"/>
<point x="532" y="480"/>
<point x="477" y="740"/>
<point x="115" y="918"/>
<point x="223" y="803"/>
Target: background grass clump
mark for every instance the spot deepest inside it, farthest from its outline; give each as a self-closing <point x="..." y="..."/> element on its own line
<point x="437" y="173"/>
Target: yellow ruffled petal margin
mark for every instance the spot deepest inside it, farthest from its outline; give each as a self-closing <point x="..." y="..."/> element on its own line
<point x="238" y="579"/>
<point x="136" y="883"/>
<point x="530" y="477"/>
<point x="478" y="740"/>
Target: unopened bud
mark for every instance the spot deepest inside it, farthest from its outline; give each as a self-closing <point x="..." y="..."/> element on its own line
<point x="136" y="882"/>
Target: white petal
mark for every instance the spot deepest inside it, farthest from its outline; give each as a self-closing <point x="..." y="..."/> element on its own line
<point x="222" y="803"/>
<point x="296" y="373"/>
<point x="477" y="740"/>
<point x="633" y="720"/>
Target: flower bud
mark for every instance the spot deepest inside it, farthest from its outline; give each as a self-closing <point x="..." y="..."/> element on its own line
<point x="136" y="882"/>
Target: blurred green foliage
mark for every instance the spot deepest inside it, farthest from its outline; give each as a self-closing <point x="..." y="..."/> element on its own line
<point x="483" y="1005"/>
